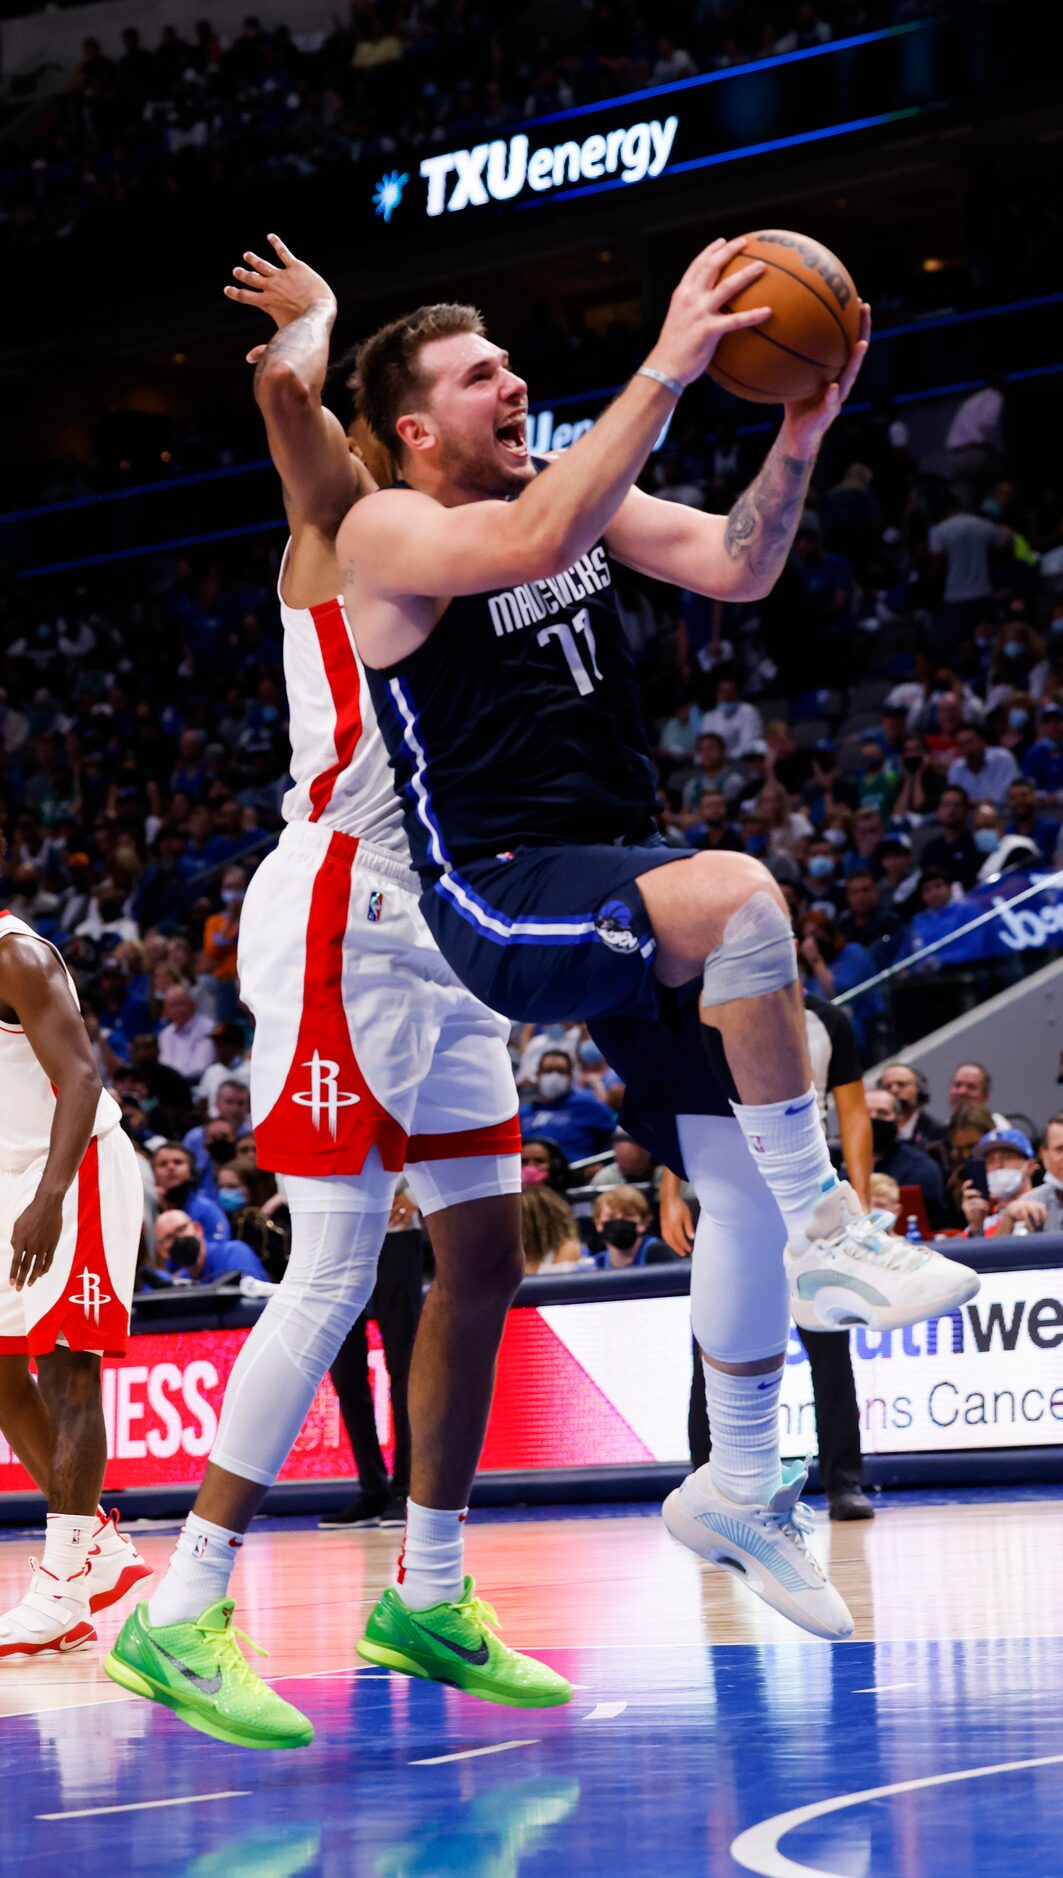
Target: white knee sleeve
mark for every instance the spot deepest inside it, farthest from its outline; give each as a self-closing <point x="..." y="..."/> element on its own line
<point x="755" y="955"/>
<point x="739" y="1295"/>
<point x="327" y="1285"/>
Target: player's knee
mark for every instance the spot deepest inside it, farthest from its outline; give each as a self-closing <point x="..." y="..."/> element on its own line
<point x="756" y="953"/>
<point x="488" y="1277"/>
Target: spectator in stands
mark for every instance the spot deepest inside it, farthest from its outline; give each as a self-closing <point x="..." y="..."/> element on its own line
<point x="864" y="922"/>
<point x="534" y="1043"/>
<point x="971" y="1082"/>
<point x="985" y="772"/>
<point x="831" y="964"/>
<point x="576" y="1122"/>
<point x="941" y="917"/>
<point x="962" y="546"/>
<point x="1040" y="830"/>
<point x="1010" y="1166"/>
<point x="185" y="1040"/>
<point x="231" y="1064"/>
<point x="969" y="1123"/>
<point x="183" y="1252"/>
<point x="914" y="1122"/>
<point x="1040" y="1210"/>
<point x="786" y="826"/>
<point x="175" y="1186"/>
<point x="1043" y="762"/>
<point x="627" y="1164"/>
<point x="886" y="1198"/>
<point x="542" y="1164"/>
<point x="679" y="733"/>
<point x="124" y="1010"/>
<point x="825" y="579"/>
<point x="221" y="935"/>
<point x="594" y="1076"/>
<point x="212" y="1147"/>
<point x="713" y="771"/>
<point x="878" y="778"/>
<point x="737" y="724"/>
<point x="909" y="1166"/>
<point x="167" y="1088"/>
<point x="899" y="887"/>
<point x="622" y="1222"/>
<point x="713" y="830"/>
<point x="162" y="896"/>
<point x="975" y="441"/>
<point x="551" y="1236"/>
<point x="953" y="852"/>
<point x="922" y="785"/>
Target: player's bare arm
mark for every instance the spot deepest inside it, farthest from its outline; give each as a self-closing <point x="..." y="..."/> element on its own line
<point x="320" y="476"/>
<point x="34" y="991"/>
<point x="409" y="546"/>
<point x="738" y="556"/>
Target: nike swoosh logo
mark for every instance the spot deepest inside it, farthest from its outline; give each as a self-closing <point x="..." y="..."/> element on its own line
<point x="798" y="1108"/>
<point x="773" y="1384"/>
<point x="208" y="1685"/>
<point x="476" y="1657"/>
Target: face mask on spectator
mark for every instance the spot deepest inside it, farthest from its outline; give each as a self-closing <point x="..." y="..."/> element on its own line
<point x="1004" y="1182"/>
<point x="986" y="840"/>
<point x="590" y="1055"/>
<point x="1056" y="625"/>
<point x="1013" y="648"/>
<point x="554" y="1083"/>
<point x="836" y="836"/>
<point x="821" y="866"/>
<point x="230" y="1199"/>
<point x="221" y="1152"/>
<point x="184" y="1251"/>
<point x="532" y="1176"/>
<point x="620" y="1233"/>
<point x="883" y="1135"/>
<point x="231" y="896"/>
<point x="727" y="707"/>
<point x="1017" y="718"/>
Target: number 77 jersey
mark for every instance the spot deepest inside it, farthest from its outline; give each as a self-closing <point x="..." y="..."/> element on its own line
<point x="518" y="723"/>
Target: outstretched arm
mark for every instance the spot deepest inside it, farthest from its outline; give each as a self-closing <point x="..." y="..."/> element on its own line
<point x="308" y="444"/>
<point x="741" y="555"/>
<point x="33" y="985"/>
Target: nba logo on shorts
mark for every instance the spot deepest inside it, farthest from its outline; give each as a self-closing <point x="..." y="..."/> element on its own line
<point x="376" y="906"/>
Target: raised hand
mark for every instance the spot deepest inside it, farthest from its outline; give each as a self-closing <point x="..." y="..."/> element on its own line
<point x="696" y="322"/>
<point x="808" y="419"/>
<point x="285" y="292"/>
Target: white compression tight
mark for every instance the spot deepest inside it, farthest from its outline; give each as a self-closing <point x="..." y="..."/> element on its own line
<point x="739" y="1295"/>
<point x="338" y="1228"/>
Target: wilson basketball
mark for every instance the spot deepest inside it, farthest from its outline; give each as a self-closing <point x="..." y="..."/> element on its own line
<point x="814" y="324"/>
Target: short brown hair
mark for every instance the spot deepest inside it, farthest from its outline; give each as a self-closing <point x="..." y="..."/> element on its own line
<point x="628" y="1199"/>
<point x="387" y="376"/>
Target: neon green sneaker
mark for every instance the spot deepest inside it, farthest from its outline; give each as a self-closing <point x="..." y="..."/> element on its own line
<point x="200" y="1671"/>
<point x="458" y="1644"/>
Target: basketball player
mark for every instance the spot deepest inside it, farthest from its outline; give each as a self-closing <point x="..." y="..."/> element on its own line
<point x="70" y="1210"/>
<point x="368" y="1053"/>
<point x="481" y="594"/>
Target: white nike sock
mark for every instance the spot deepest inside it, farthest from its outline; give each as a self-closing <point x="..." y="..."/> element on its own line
<point x="431" y="1568"/>
<point x="66" y="1549"/>
<point x="744" y="1423"/>
<point x="789" y="1150"/>
<point x="198" y="1574"/>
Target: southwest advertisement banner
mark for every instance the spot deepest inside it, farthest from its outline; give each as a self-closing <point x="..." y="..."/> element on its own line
<point x="606" y="1384"/>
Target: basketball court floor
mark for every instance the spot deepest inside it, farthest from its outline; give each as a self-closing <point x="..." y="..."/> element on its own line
<point x="706" y="1737"/>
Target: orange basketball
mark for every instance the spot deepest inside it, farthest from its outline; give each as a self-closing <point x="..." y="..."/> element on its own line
<point x="814" y="324"/>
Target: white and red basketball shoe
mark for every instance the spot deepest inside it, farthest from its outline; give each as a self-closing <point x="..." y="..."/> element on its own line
<point x="116" y="1565"/>
<point x="52" y="1619"/>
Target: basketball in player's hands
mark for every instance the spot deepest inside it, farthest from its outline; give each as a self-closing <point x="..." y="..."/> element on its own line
<point x="814" y="324"/>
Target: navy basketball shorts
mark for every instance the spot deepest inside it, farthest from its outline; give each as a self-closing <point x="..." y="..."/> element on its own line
<point x="551" y="934"/>
<point x="670" y="1064"/>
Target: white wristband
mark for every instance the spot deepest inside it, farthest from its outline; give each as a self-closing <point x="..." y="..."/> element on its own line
<point x="662" y="378"/>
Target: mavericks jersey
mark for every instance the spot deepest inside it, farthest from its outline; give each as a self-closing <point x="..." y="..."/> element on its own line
<point x="518" y="723"/>
<point x="340" y="774"/>
<point x="27" y="1099"/>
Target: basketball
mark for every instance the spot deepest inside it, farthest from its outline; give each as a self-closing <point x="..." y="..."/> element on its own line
<point x="814" y="324"/>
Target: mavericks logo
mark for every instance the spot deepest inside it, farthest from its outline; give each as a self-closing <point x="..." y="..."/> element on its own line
<point x="324" y="1096"/>
<point x="613" y="924"/>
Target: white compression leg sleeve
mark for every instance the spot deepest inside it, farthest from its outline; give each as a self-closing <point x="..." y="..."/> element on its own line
<point x="338" y="1228"/>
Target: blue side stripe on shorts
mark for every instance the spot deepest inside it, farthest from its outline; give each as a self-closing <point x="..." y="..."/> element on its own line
<point x="504" y="931"/>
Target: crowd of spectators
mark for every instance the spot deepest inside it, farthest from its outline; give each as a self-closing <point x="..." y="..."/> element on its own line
<point x="136" y="124"/>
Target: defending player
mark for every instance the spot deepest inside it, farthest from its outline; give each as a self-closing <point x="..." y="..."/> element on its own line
<point x="481" y="594"/>
<point x="368" y="1053"/>
<point x="70" y="1209"/>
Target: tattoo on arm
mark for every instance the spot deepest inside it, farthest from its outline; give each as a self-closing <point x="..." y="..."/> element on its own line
<point x="761" y="526"/>
<point x="303" y="345"/>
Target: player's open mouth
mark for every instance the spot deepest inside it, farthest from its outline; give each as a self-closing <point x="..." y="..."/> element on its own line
<point x="513" y="436"/>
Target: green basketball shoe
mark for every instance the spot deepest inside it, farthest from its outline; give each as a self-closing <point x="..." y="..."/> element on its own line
<point x="458" y="1644"/>
<point x="200" y="1671"/>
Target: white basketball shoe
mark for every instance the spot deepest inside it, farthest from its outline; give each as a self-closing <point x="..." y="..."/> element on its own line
<point x="116" y="1564"/>
<point x="52" y="1619"/>
<point x="763" y="1546"/>
<point x="855" y="1270"/>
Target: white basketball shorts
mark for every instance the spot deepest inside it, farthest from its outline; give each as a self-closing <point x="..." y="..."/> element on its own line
<point x="364" y="1037"/>
<point x="83" y="1300"/>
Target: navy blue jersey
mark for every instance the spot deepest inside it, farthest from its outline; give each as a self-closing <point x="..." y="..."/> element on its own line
<point x="518" y="723"/>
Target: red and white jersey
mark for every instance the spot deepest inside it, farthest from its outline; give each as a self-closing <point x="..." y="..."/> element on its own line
<point x="27" y="1099"/>
<point x="340" y="770"/>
